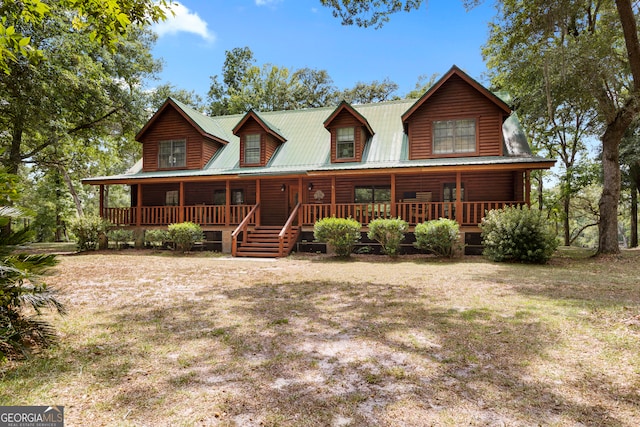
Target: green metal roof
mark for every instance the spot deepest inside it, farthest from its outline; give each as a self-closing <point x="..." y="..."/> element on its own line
<point x="307" y="147"/>
<point x="209" y="126"/>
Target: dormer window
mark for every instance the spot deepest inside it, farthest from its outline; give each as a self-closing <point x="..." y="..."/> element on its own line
<point x="345" y="143"/>
<point x="252" y="149"/>
<point x="172" y="154"/>
<point x="454" y="136"/>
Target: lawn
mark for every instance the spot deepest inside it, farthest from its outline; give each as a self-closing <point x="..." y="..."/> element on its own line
<point x="154" y="339"/>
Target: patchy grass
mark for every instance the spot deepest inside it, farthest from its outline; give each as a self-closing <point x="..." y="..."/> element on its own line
<point x="157" y="339"/>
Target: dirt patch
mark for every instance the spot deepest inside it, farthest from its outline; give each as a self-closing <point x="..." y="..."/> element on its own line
<point x="160" y="339"/>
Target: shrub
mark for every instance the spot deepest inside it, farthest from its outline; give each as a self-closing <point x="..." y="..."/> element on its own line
<point x="185" y="234"/>
<point x="156" y="238"/>
<point x="120" y="236"/>
<point x="440" y="237"/>
<point x="87" y="230"/>
<point x="517" y="234"/>
<point x="389" y="233"/>
<point x="23" y="297"/>
<point x="341" y="234"/>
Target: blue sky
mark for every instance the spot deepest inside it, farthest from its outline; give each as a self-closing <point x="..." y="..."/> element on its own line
<point x="302" y="33"/>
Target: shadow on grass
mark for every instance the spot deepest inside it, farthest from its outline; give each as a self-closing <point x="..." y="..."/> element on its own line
<point x="306" y="353"/>
<point x="329" y="353"/>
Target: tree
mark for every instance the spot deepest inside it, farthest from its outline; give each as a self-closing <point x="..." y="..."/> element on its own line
<point x="22" y="294"/>
<point x="422" y="85"/>
<point x="588" y="36"/>
<point x="630" y="157"/>
<point x="159" y="95"/>
<point x="606" y="65"/>
<point x="550" y="107"/>
<point x="106" y="22"/>
<point x="58" y="114"/>
<point x="245" y="85"/>
<point x="365" y="93"/>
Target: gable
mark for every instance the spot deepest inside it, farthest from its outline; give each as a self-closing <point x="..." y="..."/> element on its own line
<point x="456" y="99"/>
<point x="169" y="125"/>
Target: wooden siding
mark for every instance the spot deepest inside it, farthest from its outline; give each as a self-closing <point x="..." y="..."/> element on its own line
<point x="342" y="120"/>
<point x="456" y="100"/>
<point x="477" y="186"/>
<point x="173" y="126"/>
<point x="268" y="144"/>
<point x="156" y="195"/>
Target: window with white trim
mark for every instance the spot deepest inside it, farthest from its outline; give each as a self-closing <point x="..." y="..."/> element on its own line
<point x="172" y="154"/>
<point x="454" y="136"/>
<point x="252" y="149"/>
<point x="345" y="143"/>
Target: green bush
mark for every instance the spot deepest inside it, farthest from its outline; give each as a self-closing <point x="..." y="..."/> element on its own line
<point x="517" y="234"/>
<point x="87" y="231"/>
<point x="440" y="237"/>
<point x="341" y="234"/>
<point x="23" y="296"/>
<point x="184" y="235"/>
<point x="389" y="233"/>
<point x="156" y="238"/>
<point x="120" y="236"/>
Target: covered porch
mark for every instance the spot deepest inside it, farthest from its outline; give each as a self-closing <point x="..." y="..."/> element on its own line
<point x="289" y="205"/>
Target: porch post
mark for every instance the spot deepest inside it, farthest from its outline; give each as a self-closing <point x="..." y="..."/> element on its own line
<point x="139" y="207"/>
<point x="300" y="200"/>
<point x="181" y="208"/>
<point x="459" y="215"/>
<point x="102" y="212"/>
<point x="527" y="187"/>
<point x="333" y="196"/>
<point x="227" y="204"/>
<point x="258" y="201"/>
<point x="393" y="195"/>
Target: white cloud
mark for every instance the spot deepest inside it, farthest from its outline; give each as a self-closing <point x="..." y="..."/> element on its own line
<point x="181" y="19"/>
<point x="267" y="2"/>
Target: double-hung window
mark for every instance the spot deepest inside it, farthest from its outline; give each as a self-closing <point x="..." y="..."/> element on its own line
<point x="252" y="149"/>
<point x="454" y="136"/>
<point x="345" y="143"/>
<point x="172" y="154"/>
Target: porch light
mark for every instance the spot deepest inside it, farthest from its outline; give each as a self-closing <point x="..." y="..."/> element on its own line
<point x="283" y="187"/>
<point x="310" y="186"/>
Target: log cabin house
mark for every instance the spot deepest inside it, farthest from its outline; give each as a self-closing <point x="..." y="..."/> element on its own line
<point x="258" y="182"/>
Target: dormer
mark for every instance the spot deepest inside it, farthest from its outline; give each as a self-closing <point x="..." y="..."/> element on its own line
<point x="179" y="137"/>
<point x="259" y="140"/>
<point x="456" y="117"/>
<point x="349" y="132"/>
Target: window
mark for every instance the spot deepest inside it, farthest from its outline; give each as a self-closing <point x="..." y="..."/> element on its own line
<point x="252" y="149"/>
<point x="450" y="193"/>
<point x="237" y="197"/>
<point x="172" y="154"/>
<point x="219" y="197"/>
<point x="345" y="143"/>
<point x="454" y="136"/>
<point x="172" y="198"/>
<point x="373" y="194"/>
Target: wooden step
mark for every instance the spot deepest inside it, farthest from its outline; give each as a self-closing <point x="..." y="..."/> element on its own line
<point x="263" y="241"/>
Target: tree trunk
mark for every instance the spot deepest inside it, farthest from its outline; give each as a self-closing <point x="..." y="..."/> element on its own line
<point x="565" y="220"/>
<point x="635" y="177"/>
<point x="72" y="190"/>
<point x="608" y="227"/>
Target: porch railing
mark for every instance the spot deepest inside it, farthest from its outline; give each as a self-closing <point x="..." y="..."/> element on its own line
<point x="165" y="215"/>
<point x="412" y="212"/>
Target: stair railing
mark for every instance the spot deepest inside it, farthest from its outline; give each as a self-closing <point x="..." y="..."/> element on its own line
<point x="242" y="228"/>
<point x="287" y="232"/>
